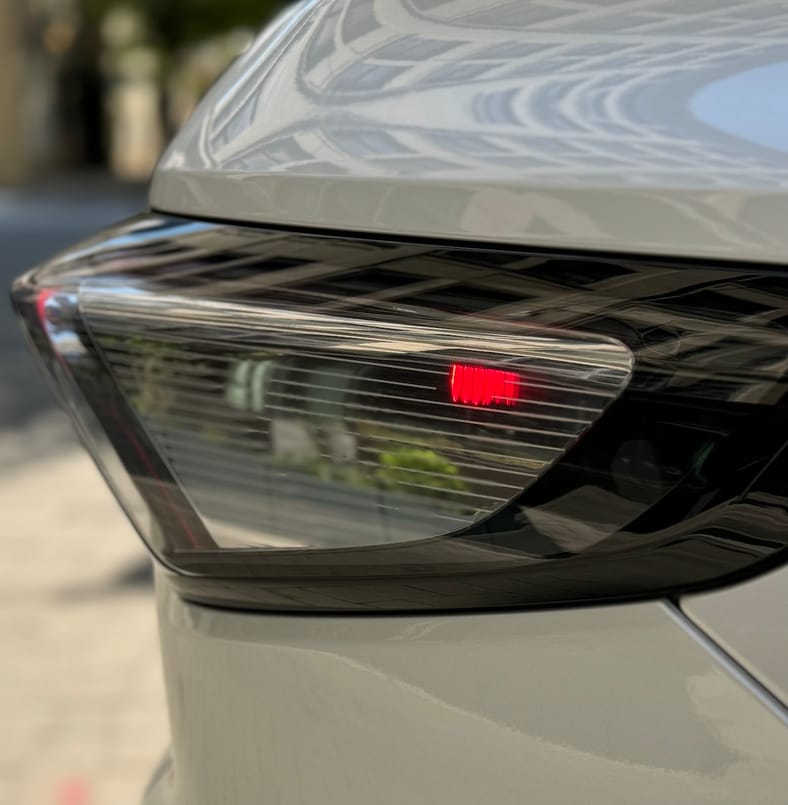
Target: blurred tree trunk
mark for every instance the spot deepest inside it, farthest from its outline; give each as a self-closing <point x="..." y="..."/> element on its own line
<point x="84" y="74"/>
<point x="14" y="155"/>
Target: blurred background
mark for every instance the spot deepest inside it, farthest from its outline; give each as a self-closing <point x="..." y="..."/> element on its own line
<point x="90" y="92"/>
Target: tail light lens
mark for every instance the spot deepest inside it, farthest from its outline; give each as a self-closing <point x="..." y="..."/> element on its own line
<point x="309" y="422"/>
<point x="286" y="427"/>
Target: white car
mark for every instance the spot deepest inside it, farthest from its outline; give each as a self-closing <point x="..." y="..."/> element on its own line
<point x="446" y="381"/>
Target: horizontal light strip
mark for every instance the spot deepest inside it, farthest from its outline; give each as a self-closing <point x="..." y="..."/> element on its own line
<point x="127" y="372"/>
<point x="267" y="465"/>
<point x="231" y="417"/>
<point x="188" y="440"/>
<point x="171" y="340"/>
<point x="454" y="448"/>
<point x="245" y="503"/>
<point x="292" y="476"/>
<point x="493" y="426"/>
<point x="194" y="471"/>
<point x="224" y="410"/>
<point x="222" y="321"/>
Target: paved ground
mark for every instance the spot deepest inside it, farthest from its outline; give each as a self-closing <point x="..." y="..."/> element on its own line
<point x="81" y="701"/>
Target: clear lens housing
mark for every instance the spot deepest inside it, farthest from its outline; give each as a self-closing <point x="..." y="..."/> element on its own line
<point x="316" y="422"/>
<point x="291" y="428"/>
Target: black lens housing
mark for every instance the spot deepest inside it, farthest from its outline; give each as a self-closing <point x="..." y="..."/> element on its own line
<point x="678" y="486"/>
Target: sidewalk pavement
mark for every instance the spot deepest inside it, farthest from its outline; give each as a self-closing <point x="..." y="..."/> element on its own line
<point x="81" y="699"/>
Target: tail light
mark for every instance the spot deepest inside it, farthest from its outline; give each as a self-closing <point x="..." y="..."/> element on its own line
<point x="298" y="421"/>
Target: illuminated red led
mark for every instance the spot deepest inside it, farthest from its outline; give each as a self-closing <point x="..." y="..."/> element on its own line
<point x="480" y="385"/>
<point x="41" y="304"/>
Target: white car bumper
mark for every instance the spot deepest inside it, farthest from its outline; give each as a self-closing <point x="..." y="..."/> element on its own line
<point x="620" y="704"/>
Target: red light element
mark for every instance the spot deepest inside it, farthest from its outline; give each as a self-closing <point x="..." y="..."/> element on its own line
<point x="41" y="304"/>
<point x="480" y="385"/>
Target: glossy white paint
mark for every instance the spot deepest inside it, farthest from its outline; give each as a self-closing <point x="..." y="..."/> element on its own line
<point x="615" y="705"/>
<point x="655" y="127"/>
<point x="750" y="621"/>
<point x="628" y="126"/>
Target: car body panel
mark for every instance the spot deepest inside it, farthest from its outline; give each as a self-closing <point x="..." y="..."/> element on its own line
<point x="750" y="621"/>
<point x="607" y="704"/>
<point x="627" y="126"/>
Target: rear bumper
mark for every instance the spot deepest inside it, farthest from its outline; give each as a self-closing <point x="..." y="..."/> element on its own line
<point x="610" y="704"/>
